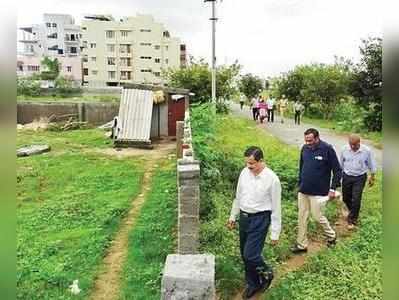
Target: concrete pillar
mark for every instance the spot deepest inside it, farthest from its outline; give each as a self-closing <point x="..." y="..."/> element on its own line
<point x="179" y="138"/>
<point x="188" y="277"/>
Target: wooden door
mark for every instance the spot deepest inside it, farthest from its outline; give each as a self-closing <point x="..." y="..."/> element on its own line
<point x="176" y="111"/>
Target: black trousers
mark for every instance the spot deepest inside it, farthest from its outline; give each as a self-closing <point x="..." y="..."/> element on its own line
<point x="253" y="230"/>
<point x="352" y="190"/>
<point x="270" y="115"/>
<point x="255" y="113"/>
<point x="297" y="117"/>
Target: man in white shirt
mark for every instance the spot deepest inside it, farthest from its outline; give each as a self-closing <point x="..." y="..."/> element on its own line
<point x="270" y="109"/>
<point x="258" y="203"/>
<point x="356" y="160"/>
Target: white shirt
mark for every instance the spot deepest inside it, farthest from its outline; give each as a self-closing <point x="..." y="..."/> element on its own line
<point x="359" y="162"/>
<point x="259" y="193"/>
<point x="270" y="103"/>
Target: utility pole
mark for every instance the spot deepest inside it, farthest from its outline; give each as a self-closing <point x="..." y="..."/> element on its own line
<point x="213" y="19"/>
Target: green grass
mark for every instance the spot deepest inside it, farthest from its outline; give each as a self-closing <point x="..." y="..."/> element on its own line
<point x="69" y="205"/>
<point x="74" y="140"/>
<point x="152" y="238"/>
<point x="352" y="270"/>
<point x="72" y="98"/>
<point x="221" y="153"/>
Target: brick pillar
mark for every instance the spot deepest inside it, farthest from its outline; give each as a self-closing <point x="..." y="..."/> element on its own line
<point x="188" y="171"/>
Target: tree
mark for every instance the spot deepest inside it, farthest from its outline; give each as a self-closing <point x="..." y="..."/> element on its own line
<point x="52" y="67"/>
<point x="367" y="82"/>
<point x="197" y="78"/>
<point x="250" y="85"/>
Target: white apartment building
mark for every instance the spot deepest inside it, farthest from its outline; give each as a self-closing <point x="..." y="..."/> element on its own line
<point x="56" y="36"/>
<point x="133" y="49"/>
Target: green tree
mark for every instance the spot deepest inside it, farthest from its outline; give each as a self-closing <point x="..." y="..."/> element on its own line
<point x="367" y="82"/>
<point x="250" y="85"/>
<point x="197" y="78"/>
<point x="52" y="67"/>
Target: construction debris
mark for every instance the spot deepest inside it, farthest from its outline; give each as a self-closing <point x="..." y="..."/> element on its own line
<point x="33" y="150"/>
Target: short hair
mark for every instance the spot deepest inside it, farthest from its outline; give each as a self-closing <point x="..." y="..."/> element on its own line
<point x="254" y="151"/>
<point x="313" y="131"/>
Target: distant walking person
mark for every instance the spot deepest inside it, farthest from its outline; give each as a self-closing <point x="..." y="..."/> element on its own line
<point x="283" y="103"/>
<point x="242" y="100"/>
<point x="270" y="109"/>
<point x="298" y="109"/>
<point x="262" y="110"/>
<point x="254" y="107"/>
<point x="318" y="159"/>
<point x="258" y="205"/>
<point x="356" y="159"/>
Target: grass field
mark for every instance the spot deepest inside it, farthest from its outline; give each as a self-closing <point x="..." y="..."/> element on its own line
<point x="69" y="205"/>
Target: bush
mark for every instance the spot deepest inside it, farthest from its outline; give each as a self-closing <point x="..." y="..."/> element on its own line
<point x="64" y="87"/>
<point x="28" y="87"/>
<point x="349" y="116"/>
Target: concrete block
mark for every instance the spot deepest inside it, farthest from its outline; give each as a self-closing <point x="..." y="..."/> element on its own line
<point x="188" y="206"/>
<point x="188" y="244"/>
<point x="189" y="191"/>
<point x="188" y="171"/>
<point x="188" y="224"/>
<point x="189" y="277"/>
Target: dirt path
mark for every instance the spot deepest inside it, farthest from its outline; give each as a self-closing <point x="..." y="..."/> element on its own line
<point x="107" y="284"/>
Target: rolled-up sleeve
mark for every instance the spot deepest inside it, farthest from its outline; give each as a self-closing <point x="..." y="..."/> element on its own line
<point x="276" y="210"/>
<point x="235" y="210"/>
<point x="371" y="162"/>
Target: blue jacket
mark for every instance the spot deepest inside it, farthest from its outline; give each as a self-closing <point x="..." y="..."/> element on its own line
<point x="315" y="168"/>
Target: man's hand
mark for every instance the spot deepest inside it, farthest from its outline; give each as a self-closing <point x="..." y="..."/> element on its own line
<point x="231" y="224"/>
<point x="371" y="180"/>
<point x="274" y="242"/>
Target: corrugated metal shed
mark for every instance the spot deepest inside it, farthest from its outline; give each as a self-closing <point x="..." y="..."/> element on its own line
<point x="135" y="114"/>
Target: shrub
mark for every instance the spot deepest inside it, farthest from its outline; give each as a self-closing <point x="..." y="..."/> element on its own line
<point x="28" y="87"/>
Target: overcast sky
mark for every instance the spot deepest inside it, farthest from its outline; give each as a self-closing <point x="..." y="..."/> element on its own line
<point x="266" y="36"/>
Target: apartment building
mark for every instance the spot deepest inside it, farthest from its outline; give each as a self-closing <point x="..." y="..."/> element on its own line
<point x="130" y="50"/>
<point x="57" y="37"/>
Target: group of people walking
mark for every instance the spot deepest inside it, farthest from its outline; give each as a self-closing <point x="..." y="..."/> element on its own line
<point x="257" y="205"/>
<point x="263" y="108"/>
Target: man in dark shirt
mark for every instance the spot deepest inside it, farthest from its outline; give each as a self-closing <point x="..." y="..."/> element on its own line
<point x="318" y="159"/>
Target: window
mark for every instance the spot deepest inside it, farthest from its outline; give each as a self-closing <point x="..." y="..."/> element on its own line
<point x="158" y="60"/>
<point x="125" y="33"/>
<point x="69" y="68"/>
<point x="157" y="74"/>
<point x="111" y="74"/>
<point x="48" y="25"/>
<point x="111" y="61"/>
<point x="111" y="48"/>
<point x="60" y="51"/>
<point x="110" y="34"/>
<point x="146" y="71"/>
<point x="33" y="68"/>
<point x="84" y="44"/>
<point x="145" y="30"/>
<point x="125" y="62"/>
<point x="166" y="48"/>
<point x="145" y="57"/>
<point x="85" y="71"/>
<point x="85" y="58"/>
<point x="166" y="34"/>
<point x="145" y="44"/>
<point x="157" y="47"/>
<point x="84" y="28"/>
<point x="124" y="48"/>
<point x="93" y="45"/>
<point x="74" y="50"/>
<point x="54" y="25"/>
<point x="166" y="61"/>
<point x="52" y="36"/>
<point x="94" y="72"/>
<point x="94" y="59"/>
<point x="125" y="75"/>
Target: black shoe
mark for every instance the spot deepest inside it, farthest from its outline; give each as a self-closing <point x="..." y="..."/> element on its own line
<point x="249" y="293"/>
<point x="331" y="243"/>
<point x="297" y="250"/>
<point x="267" y="281"/>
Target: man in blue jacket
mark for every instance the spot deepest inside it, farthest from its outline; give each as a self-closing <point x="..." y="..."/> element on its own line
<point x="318" y="160"/>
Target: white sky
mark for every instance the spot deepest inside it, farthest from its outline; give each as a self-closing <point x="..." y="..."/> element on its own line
<point x="266" y="36"/>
